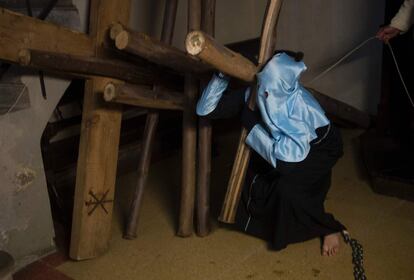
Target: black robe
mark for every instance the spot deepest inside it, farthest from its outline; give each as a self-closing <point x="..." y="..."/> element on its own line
<point x="285" y="204"/>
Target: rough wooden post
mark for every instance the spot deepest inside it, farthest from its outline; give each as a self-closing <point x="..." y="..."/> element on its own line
<point x="204" y="139"/>
<point x="149" y="132"/>
<point x="98" y="149"/>
<point x="185" y="227"/>
<point x="267" y="45"/>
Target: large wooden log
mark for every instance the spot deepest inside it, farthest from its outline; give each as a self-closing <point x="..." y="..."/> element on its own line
<point x="142" y="96"/>
<point x="232" y="198"/>
<point x="98" y="148"/>
<point x="87" y="66"/>
<point x="22" y="32"/>
<point x="219" y="57"/>
<point x="185" y="227"/>
<point x="150" y="125"/>
<point x="204" y="140"/>
<point x="142" y="45"/>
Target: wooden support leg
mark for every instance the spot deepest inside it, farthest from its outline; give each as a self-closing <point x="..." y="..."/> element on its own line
<point x="149" y="133"/>
<point x="98" y="149"/>
<point x="185" y="227"/>
<point x="204" y="173"/>
<point x="204" y="140"/>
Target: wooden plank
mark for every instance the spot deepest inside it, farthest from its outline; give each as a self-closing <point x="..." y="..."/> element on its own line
<point x="185" y="227"/>
<point x="144" y="46"/>
<point x="204" y="140"/>
<point x="151" y="124"/>
<point x="232" y="198"/>
<point x="22" y="32"/>
<point x="147" y="97"/>
<point x="98" y="149"/>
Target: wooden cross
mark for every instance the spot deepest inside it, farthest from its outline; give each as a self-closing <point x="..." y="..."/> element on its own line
<point x="206" y="48"/>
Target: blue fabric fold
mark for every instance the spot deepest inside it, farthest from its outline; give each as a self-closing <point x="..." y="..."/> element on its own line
<point x="211" y="95"/>
<point x="289" y="112"/>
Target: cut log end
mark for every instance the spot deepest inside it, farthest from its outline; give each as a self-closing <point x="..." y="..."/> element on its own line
<point x="116" y="28"/>
<point x="122" y="40"/>
<point x="195" y="42"/>
<point x="109" y="92"/>
<point x="227" y="219"/>
<point x="24" y="57"/>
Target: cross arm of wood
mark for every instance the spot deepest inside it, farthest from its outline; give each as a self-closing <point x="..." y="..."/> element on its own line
<point x="219" y="57"/>
<point x="140" y="44"/>
<point x="27" y="41"/>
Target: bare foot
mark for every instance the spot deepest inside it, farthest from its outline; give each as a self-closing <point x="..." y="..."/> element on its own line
<point x="330" y="245"/>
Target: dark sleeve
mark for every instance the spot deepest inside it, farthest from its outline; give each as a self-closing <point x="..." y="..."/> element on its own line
<point x="230" y="105"/>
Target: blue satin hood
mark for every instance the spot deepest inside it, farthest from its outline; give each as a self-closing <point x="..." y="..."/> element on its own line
<point x="289" y="112"/>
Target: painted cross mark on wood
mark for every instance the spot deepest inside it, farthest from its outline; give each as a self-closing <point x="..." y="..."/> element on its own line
<point x="95" y="201"/>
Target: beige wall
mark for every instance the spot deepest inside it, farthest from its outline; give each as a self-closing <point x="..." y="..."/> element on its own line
<point x="236" y="20"/>
<point x="323" y="30"/>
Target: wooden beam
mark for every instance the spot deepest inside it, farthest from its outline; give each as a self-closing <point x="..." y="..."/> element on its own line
<point x="204" y="140"/>
<point x="87" y="66"/>
<point x="185" y="227"/>
<point x="204" y="46"/>
<point x="151" y="124"/>
<point x="232" y="198"/>
<point x="22" y="32"/>
<point x="142" y="96"/>
<point x="98" y="148"/>
<point x="160" y="53"/>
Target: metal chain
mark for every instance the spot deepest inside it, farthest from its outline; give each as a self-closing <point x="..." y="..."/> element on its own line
<point x="357" y="256"/>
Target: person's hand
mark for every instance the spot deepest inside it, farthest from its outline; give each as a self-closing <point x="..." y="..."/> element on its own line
<point x="386" y="33"/>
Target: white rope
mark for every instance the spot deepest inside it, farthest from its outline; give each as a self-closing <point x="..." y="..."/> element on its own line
<point x="340" y="60"/>
<point x="354" y="50"/>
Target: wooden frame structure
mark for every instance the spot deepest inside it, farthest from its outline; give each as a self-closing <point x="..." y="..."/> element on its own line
<point x="112" y="80"/>
<point x="118" y="81"/>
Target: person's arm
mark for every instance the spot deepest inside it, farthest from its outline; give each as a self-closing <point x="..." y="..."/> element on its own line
<point x="212" y="94"/>
<point x="290" y="148"/>
<point x="217" y="102"/>
<point x="401" y="22"/>
<point x="404" y="18"/>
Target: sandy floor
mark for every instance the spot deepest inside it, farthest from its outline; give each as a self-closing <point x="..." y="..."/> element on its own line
<point x="384" y="225"/>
